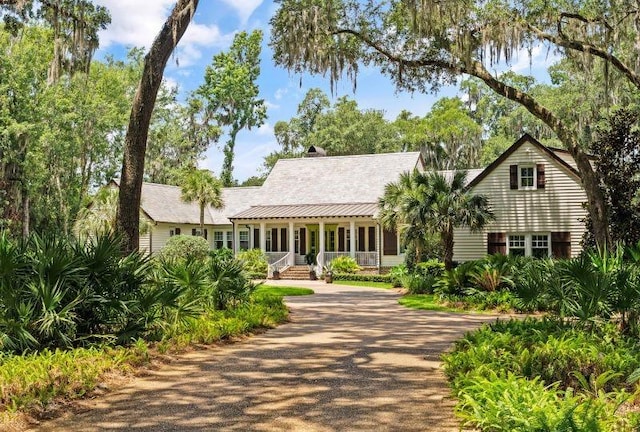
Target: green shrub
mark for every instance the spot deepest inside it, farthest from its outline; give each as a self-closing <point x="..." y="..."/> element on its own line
<point x="417" y="283"/>
<point x="255" y="262"/>
<point x="231" y="285"/>
<point x="396" y="273"/>
<point x="222" y="254"/>
<point x="345" y="264"/>
<point x="185" y="247"/>
<point x="362" y="277"/>
<point x="511" y="374"/>
<point x="431" y="267"/>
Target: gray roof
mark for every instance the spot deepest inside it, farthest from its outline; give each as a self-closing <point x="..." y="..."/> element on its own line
<point x="471" y="174"/>
<point x="334" y="179"/>
<point x="163" y="203"/>
<point x="308" y="210"/>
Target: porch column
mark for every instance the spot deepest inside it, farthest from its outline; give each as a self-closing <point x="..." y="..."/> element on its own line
<point x="321" y="242"/>
<point x="352" y="239"/>
<point x="292" y="245"/>
<point x="263" y="236"/>
<point x="236" y="239"/>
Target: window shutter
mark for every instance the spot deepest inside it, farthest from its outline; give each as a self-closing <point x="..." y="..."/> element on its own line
<point x="206" y="235"/>
<point x="361" y="245"/>
<point x="177" y="231"/>
<point x="284" y="247"/>
<point x="341" y="240"/>
<point x="193" y="231"/>
<point x="513" y="176"/>
<point x="561" y="244"/>
<point x="372" y="239"/>
<point x="303" y="241"/>
<point x="540" y="176"/>
<point x="274" y="240"/>
<point x="497" y="243"/>
<point x="390" y="242"/>
<point x="256" y="238"/>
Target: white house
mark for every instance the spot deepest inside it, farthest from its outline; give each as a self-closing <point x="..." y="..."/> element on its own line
<point x="326" y="206"/>
<point x="538" y="202"/>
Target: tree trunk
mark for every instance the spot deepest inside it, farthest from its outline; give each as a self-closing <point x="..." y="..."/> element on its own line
<point x="135" y="145"/>
<point x="227" y="168"/>
<point x="446" y="237"/>
<point x="202" y="220"/>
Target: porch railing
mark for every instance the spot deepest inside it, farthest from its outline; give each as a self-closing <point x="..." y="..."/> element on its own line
<point x="273" y="257"/>
<point x="280" y="265"/>
<point x="365" y="259"/>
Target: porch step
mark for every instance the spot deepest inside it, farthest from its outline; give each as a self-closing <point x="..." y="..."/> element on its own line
<point x="296" y="273"/>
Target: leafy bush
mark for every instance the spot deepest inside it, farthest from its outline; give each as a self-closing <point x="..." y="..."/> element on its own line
<point x="511" y="374"/>
<point x="185" y="247"/>
<point x="221" y="254"/>
<point x="362" y="277"/>
<point x="345" y="264"/>
<point x="457" y="280"/>
<point x="396" y="273"/>
<point x="418" y="284"/>
<point x="431" y="267"/>
<point x="255" y="262"/>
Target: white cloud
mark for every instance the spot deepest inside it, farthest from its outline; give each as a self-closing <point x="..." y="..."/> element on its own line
<point x="532" y="62"/>
<point x="280" y="93"/>
<point x="265" y="130"/>
<point x="244" y="8"/>
<point x="271" y="105"/>
<point x="137" y="22"/>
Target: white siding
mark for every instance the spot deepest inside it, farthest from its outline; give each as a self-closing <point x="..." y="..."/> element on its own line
<point x="557" y="207"/>
<point x="161" y="233"/>
<point x="145" y="242"/>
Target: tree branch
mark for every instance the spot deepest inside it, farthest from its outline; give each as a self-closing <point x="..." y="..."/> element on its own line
<point x="587" y="48"/>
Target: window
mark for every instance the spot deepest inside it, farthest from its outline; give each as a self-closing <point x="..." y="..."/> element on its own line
<point x="332" y="241"/>
<point x="230" y="239"/>
<point x="348" y="240"/>
<point x="268" y="241"/>
<point x="172" y="233"/>
<point x="540" y="245"/>
<point x="527" y="177"/>
<point x="534" y="245"/>
<point x="517" y="245"/>
<point x="218" y="239"/>
<point x="297" y="241"/>
<point x="244" y="240"/>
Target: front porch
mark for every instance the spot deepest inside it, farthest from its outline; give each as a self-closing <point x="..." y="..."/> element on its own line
<point x="318" y="243"/>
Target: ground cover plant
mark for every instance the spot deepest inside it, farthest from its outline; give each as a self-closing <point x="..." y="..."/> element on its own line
<point x="72" y="311"/>
<point x="574" y="369"/>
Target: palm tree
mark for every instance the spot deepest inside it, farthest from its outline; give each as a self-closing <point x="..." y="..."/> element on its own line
<point x="432" y="203"/>
<point x="204" y="188"/>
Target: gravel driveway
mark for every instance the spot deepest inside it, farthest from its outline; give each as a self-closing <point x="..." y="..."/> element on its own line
<point x="351" y="359"/>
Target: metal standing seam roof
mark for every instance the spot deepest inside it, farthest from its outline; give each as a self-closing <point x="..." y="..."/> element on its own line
<point x="308" y="210"/>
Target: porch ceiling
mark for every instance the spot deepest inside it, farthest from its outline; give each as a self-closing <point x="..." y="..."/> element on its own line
<point x="308" y="211"/>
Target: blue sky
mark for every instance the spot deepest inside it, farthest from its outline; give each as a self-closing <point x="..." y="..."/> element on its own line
<point x="136" y="22"/>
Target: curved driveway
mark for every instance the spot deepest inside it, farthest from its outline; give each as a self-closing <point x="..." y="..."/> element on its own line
<point x="351" y="359"/>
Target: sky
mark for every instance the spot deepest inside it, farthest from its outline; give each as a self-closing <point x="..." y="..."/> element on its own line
<point x="135" y="23"/>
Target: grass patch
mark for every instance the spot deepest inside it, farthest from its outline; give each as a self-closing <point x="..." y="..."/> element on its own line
<point x="282" y="291"/>
<point x="426" y="302"/>
<point x="383" y="285"/>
